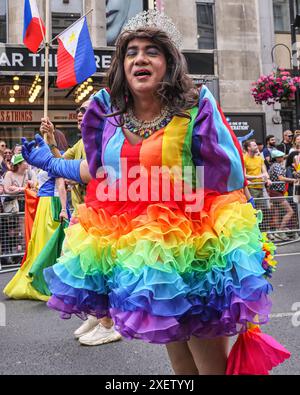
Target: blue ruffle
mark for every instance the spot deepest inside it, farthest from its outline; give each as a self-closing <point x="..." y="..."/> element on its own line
<point x="165" y="293"/>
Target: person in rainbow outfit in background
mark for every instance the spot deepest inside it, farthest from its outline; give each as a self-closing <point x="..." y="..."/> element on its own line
<point x="187" y="270"/>
<point x="51" y="217"/>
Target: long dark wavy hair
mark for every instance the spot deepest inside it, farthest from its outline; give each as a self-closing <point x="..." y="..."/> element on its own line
<point x="176" y="91"/>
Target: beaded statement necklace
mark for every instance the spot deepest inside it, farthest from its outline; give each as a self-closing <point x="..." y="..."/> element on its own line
<point x="145" y="129"/>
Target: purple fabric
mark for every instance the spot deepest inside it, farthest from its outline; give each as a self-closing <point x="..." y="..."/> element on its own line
<point x="68" y="307"/>
<point x="93" y="126"/>
<point x="212" y="156"/>
<point x="162" y="330"/>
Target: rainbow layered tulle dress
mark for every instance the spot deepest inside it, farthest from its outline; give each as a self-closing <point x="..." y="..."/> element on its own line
<point x="162" y="270"/>
<point x="28" y="282"/>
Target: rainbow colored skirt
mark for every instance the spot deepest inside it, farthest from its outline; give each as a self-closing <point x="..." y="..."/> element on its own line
<point x="164" y="275"/>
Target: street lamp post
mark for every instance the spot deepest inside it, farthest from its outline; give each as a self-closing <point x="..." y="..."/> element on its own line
<point x="294" y="25"/>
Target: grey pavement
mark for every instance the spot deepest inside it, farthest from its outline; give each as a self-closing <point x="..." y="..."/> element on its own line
<point x="36" y="341"/>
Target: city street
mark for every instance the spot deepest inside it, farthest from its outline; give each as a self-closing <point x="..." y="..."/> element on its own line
<point x="36" y="341"/>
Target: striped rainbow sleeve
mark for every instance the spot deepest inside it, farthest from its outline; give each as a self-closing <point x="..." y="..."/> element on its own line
<point x="215" y="146"/>
<point x="92" y="128"/>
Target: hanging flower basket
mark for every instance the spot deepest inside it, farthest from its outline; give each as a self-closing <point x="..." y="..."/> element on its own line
<point x="279" y="86"/>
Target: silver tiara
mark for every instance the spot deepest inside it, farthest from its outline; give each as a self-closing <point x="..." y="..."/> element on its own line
<point x="154" y="18"/>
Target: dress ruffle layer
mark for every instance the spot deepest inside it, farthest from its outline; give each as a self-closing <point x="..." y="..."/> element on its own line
<point x="162" y="275"/>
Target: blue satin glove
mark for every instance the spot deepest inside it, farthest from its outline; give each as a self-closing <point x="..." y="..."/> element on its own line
<point x="251" y="200"/>
<point x="38" y="154"/>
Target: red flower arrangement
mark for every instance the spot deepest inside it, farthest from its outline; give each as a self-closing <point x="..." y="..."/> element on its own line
<point x="276" y="87"/>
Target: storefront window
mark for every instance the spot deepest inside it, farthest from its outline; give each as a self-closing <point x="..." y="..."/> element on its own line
<point x="3" y="23"/>
<point x="206" y="29"/>
<point x="64" y="13"/>
<point x="118" y="12"/>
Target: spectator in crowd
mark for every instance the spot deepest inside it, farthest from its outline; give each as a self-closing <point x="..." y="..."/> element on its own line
<point x="15" y="182"/>
<point x="260" y="147"/>
<point x="278" y="177"/>
<point x="7" y="158"/>
<point x="297" y="160"/>
<point x="287" y="142"/>
<point x="270" y="146"/>
<point x="17" y="149"/>
<point x="256" y="172"/>
<point x="291" y="171"/>
<point x="16" y="179"/>
<point x="3" y="167"/>
<point x="61" y="140"/>
<point x="296" y="141"/>
<point x="258" y="177"/>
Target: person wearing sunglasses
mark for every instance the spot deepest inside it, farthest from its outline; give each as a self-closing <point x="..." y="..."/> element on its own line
<point x="287" y="142"/>
<point x="7" y="158"/>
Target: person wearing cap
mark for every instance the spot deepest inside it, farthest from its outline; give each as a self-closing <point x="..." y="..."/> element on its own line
<point x="278" y="177"/>
<point x="16" y="180"/>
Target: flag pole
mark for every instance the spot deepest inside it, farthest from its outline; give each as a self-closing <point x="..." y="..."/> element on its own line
<point x="47" y="50"/>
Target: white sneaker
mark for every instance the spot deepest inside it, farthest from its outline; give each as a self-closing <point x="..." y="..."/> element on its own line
<point x="86" y="327"/>
<point x="100" y="335"/>
<point x="271" y="237"/>
<point x="281" y="236"/>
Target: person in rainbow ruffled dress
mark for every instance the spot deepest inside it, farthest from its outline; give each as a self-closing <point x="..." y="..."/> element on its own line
<point x="167" y="244"/>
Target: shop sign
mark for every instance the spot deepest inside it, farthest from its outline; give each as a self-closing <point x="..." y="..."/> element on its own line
<point x="243" y="124"/>
<point x="18" y="60"/>
<point x="34" y="116"/>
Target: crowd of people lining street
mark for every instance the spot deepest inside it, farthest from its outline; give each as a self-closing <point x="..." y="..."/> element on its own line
<point x="273" y="173"/>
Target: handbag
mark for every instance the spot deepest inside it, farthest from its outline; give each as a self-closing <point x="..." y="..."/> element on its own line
<point x="10" y="205"/>
<point x="267" y="198"/>
<point x="296" y="193"/>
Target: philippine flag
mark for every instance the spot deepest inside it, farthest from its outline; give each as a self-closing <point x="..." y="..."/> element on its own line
<point x="34" y="28"/>
<point x="75" y="55"/>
